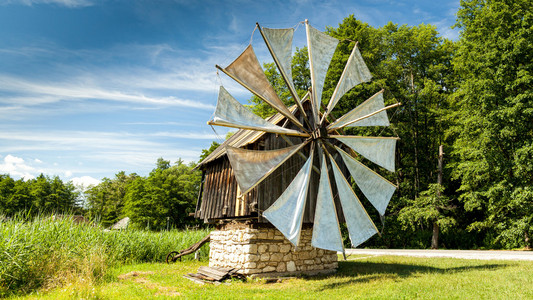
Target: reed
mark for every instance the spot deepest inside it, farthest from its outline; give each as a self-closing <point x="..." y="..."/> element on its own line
<point x="46" y="253"/>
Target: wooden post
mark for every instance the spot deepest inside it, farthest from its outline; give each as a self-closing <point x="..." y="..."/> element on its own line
<point x="441" y="158"/>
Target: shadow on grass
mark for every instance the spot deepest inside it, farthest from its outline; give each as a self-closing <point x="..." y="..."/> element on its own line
<point x="352" y="272"/>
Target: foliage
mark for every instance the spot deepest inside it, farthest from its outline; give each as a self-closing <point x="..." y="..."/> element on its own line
<point x="49" y="253"/>
<point x="412" y="65"/>
<point x="206" y="152"/>
<point x="431" y="207"/>
<point x="493" y="131"/>
<point x="165" y="198"/>
<point x="43" y="194"/>
<point x="162" y="200"/>
<point x="105" y="201"/>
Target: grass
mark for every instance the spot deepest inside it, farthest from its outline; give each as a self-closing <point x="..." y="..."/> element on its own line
<point x="45" y="254"/>
<point x="378" y="277"/>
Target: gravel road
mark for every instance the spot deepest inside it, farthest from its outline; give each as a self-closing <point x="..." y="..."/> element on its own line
<point x="464" y="254"/>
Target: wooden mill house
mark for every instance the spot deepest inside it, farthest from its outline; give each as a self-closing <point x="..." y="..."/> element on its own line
<point x="242" y="238"/>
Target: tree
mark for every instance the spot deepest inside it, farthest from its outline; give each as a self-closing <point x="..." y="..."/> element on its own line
<point x="165" y="198"/>
<point x="430" y="208"/>
<point x="20" y="198"/>
<point x="412" y="64"/>
<point x="106" y="200"/>
<point x="6" y="189"/>
<point x="40" y="195"/>
<point x="206" y="152"/>
<point x="493" y="130"/>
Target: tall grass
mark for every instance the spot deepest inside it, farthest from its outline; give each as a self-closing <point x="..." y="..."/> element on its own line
<point x="46" y="253"/>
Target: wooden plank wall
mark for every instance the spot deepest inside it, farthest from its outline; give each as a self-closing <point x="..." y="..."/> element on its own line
<point x="219" y="196"/>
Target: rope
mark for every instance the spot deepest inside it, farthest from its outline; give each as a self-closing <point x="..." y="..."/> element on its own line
<point x="252" y="37"/>
<point x="216" y="133"/>
<point x="298" y="25"/>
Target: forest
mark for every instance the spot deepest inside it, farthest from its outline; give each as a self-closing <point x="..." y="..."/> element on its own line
<point x="472" y="96"/>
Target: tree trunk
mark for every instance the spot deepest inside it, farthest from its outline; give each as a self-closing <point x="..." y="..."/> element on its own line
<point x="435" y="237"/>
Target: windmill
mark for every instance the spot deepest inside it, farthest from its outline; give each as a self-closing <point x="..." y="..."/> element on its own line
<point x="310" y="135"/>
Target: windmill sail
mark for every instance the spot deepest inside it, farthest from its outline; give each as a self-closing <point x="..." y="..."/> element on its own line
<point x="229" y="112"/>
<point x="371" y="105"/>
<point x="286" y="214"/>
<point x="377" y="189"/>
<point x="252" y="166"/>
<point x="247" y="71"/>
<point x="379" y="150"/>
<point x="326" y="231"/>
<point x="321" y="48"/>
<point x="281" y="42"/>
<point x="360" y="226"/>
<point x="354" y="73"/>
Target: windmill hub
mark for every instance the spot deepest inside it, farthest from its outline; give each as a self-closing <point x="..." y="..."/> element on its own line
<point x="320" y="133"/>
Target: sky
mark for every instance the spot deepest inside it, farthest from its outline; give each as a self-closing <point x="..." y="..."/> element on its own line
<point x="89" y="88"/>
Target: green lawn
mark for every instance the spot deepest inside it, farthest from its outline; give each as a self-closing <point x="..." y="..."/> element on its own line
<point x="378" y="277"/>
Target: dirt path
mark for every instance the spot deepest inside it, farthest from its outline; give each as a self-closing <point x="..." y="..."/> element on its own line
<point x="464" y="254"/>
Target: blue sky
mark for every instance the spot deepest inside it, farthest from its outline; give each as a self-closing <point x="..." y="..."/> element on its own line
<point x="89" y="88"/>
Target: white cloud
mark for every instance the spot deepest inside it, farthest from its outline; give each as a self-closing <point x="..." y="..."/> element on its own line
<point x="188" y="135"/>
<point x="67" y="3"/>
<point x="445" y="30"/>
<point x="54" y="92"/>
<point x="163" y="76"/>
<point x="13" y="160"/>
<point x="85" y="181"/>
<point x="234" y="24"/>
<point x="78" y="140"/>
<point x="101" y="152"/>
<point x="16" y="167"/>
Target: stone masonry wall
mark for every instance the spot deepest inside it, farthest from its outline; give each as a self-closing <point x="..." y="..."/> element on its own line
<point x="266" y="250"/>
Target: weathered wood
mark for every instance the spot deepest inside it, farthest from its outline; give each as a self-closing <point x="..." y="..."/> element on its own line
<point x="199" y="195"/>
<point x="191" y="277"/>
<point x="217" y="208"/>
<point x="193" y="248"/>
<point x="215" y="273"/>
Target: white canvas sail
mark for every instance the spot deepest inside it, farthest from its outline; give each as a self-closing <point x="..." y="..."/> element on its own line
<point x="379" y="150"/>
<point x="281" y="42"/>
<point x="360" y="226"/>
<point x="321" y="48"/>
<point x="286" y="214"/>
<point x="252" y="166"/>
<point x="326" y="231"/>
<point x="229" y="112"/>
<point x="371" y="105"/>
<point x="247" y="71"/>
<point x="376" y="189"/>
<point x="354" y="73"/>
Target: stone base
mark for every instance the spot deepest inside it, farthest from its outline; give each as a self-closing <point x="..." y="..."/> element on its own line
<point x="264" y="250"/>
